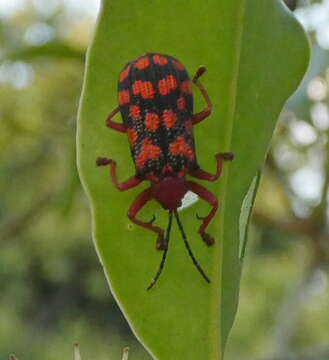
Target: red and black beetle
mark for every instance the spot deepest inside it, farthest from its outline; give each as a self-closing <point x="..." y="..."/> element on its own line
<point x="156" y="103"/>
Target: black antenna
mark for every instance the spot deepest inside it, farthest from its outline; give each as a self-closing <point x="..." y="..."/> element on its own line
<point x="189" y="250"/>
<point x="165" y="251"/>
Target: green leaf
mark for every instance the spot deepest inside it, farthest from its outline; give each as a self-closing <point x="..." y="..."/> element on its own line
<point x="245" y="214"/>
<point x="256" y="54"/>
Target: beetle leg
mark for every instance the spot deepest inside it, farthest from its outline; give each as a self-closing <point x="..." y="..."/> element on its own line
<point x="204" y="175"/>
<point x="114" y="125"/>
<point x="152" y="220"/>
<point x="128" y="184"/>
<point x="207" y="111"/>
<point x="212" y="200"/>
<point x="135" y="207"/>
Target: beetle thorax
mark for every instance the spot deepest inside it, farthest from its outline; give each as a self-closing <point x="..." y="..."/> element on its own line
<point x="169" y="191"/>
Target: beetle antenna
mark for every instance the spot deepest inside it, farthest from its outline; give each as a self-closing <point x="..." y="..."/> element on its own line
<point x="189" y="250"/>
<point x="164" y="255"/>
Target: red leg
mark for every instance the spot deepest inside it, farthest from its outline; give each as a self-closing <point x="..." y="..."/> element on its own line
<point x="212" y="200"/>
<point x="128" y="184"/>
<point x="204" y="175"/>
<point x="207" y="111"/>
<point x="114" y="125"/>
<point x="135" y="207"/>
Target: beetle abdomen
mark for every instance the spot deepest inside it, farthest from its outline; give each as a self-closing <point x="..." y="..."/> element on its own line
<point x="156" y="104"/>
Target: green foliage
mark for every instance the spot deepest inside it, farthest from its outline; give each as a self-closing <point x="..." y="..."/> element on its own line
<point x="256" y="54"/>
<point x="54" y="49"/>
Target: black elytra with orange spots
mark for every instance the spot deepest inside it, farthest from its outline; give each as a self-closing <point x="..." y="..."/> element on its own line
<point x="156" y="104"/>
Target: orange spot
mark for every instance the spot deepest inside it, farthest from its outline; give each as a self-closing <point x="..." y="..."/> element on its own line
<point x="144" y="88"/>
<point x="160" y="60"/>
<point x="124" y="97"/>
<point x="142" y="63"/>
<point x="141" y="159"/>
<point x="181" y="103"/>
<point x="134" y="112"/>
<point x="163" y="87"/>
<point x="171" y="81"/>
<point x="167" y="84"/>
<point x="132" y="136"/>
<point x="186" y="87"/>
<point x="148" y="152"/>
<point x="169" y="118"/>
<point x="180" y="147"/>
<point x="178" y="65"/>
<point x="137" y="87"/>
<point x="147" y="90"/>
<point x="152" y="121"/>
<point x="124" y="73"/>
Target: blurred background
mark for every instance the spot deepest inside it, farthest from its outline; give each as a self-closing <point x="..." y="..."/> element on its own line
<point x="53" y="291"/>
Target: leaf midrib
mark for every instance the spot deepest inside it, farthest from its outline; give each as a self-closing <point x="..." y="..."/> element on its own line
<point x="216" y="294"/>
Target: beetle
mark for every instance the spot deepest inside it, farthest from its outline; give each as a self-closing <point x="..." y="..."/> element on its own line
<point x="156" y="104"/>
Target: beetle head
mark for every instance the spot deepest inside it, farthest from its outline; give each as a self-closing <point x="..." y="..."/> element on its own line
<point x="169" y="191"/>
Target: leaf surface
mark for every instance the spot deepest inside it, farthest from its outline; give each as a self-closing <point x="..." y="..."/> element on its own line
<point x="256" y="54"/>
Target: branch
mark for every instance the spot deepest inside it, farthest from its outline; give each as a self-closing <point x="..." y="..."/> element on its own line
<point x="293" y="226"/>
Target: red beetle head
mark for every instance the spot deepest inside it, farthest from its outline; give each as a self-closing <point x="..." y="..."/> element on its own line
<point x="169" y="191"/>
